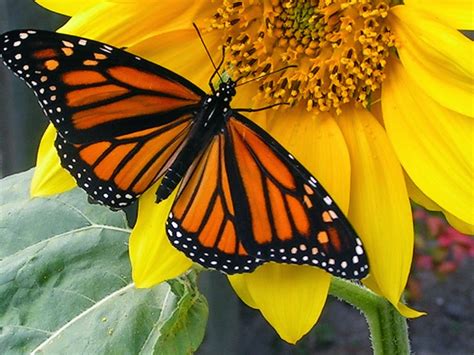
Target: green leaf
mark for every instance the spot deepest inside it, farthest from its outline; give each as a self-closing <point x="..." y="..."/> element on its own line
<point x="65" y="282"/>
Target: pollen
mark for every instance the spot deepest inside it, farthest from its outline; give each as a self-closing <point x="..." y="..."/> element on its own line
<point x="339" y="47"/>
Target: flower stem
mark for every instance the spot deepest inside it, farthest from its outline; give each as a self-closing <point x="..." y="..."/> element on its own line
<point x="388" y="328"/>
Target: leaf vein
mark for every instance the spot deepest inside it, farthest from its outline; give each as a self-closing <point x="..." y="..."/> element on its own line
<point x="79" y="316"/>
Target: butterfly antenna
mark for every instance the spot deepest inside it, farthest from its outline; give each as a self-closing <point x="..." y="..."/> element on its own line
<point x="216" y="68"/>
<point x="262" y="76"/>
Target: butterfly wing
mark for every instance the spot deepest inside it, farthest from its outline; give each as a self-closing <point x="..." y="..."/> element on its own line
<point x="90" y="90"/>
<point x="202" y="222"/>
<point x="116" y="171"/>
<point x="120" y="118"/>
<point x="277" y="210"/>
<point x="292" y="217"/>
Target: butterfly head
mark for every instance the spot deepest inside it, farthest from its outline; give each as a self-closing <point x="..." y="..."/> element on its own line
<point x="227" y="89"/>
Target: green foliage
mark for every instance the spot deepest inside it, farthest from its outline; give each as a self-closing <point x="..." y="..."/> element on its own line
<point x="65" y="282"/>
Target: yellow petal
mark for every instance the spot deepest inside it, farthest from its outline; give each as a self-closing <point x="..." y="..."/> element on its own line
<point x="408" y="312"/>
<point x="126" y="23"/>
<point x="437" y="56"/>
<point x="404" y="310"/>
<point x="49" y="177"/>
<point x="239" y="284"/>
<point x="245" y="98"/>
<point x="317" y="142"/>
<point x="460" y="225"/>
<point x="420" y="198"/>
<point x="376" y="106"/>
<point x="290" y="297"/>
<point x="379" y="206"/>
<point x="457" y="13"/>
<point x="68" y="8"/>
<point x="434" y="144"/>
<point x="182" y="52"/>
<point x="153" y="258"/>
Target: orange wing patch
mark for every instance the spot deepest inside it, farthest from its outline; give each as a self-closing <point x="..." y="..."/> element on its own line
<point x="146" y="164"/>
<point x="253" y="182"/>
<point x="128" y="164"/>
<point x="199" y="190"/>
<point x="67" y="51"/>
<point x="299" y="215"/>
<point x="228" y="242"/>
<point x="51" y="64"/>
<point x="280" y="213"/>
<point x="45" y="53"/>
<point x="274" y="213"/>
<point x="83" y="77"/>
<point x="148" y="81"/>
<point x="92" y="152"/>
<point x="90" y="62"/>
<point x="100" y="56"/>
<point x="81" y="97"/>
<point x="106" y="167"/>
<point x="124" y="109"/>
<point x="266" y="156"/>
<point x="210" y="231"/>
<point x="202" y="220"/>
<point x="334" y="238"/>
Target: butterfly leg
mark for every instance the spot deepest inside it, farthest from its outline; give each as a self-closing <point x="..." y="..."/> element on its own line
<point x="259" y="109"/>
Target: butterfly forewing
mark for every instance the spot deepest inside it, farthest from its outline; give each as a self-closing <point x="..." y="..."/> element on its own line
<point x="121" y="119"/>
<point x="92" y="91"/>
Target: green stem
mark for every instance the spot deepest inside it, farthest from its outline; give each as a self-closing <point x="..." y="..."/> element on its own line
<point x="388" y="328"/>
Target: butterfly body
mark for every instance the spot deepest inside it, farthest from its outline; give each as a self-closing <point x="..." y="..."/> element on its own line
<point x="209" y="120"/>
<point x="126" y="125"/>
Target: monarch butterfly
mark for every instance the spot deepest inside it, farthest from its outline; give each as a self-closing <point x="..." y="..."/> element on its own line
<point x="124" y="123"/>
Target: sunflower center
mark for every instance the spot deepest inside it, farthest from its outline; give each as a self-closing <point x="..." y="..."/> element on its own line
<point x="340" y="48"/>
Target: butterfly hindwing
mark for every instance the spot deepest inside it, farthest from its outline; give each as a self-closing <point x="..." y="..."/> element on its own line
<point x="116" y="171"/>
<point x="292" y="217"/>
<point x="92" y="91"/>
<point x="248" y="201"/>
<point x="202" y="222"/>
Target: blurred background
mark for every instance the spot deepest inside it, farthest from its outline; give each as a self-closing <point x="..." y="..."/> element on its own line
<point x="441" y="282"/>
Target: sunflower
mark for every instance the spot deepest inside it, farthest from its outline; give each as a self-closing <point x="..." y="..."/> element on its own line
<point x="381" y="109"/>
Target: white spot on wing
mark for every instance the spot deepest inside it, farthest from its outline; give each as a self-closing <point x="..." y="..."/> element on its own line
<point x="328" y="200"/>
<point x="68" y="44"/>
